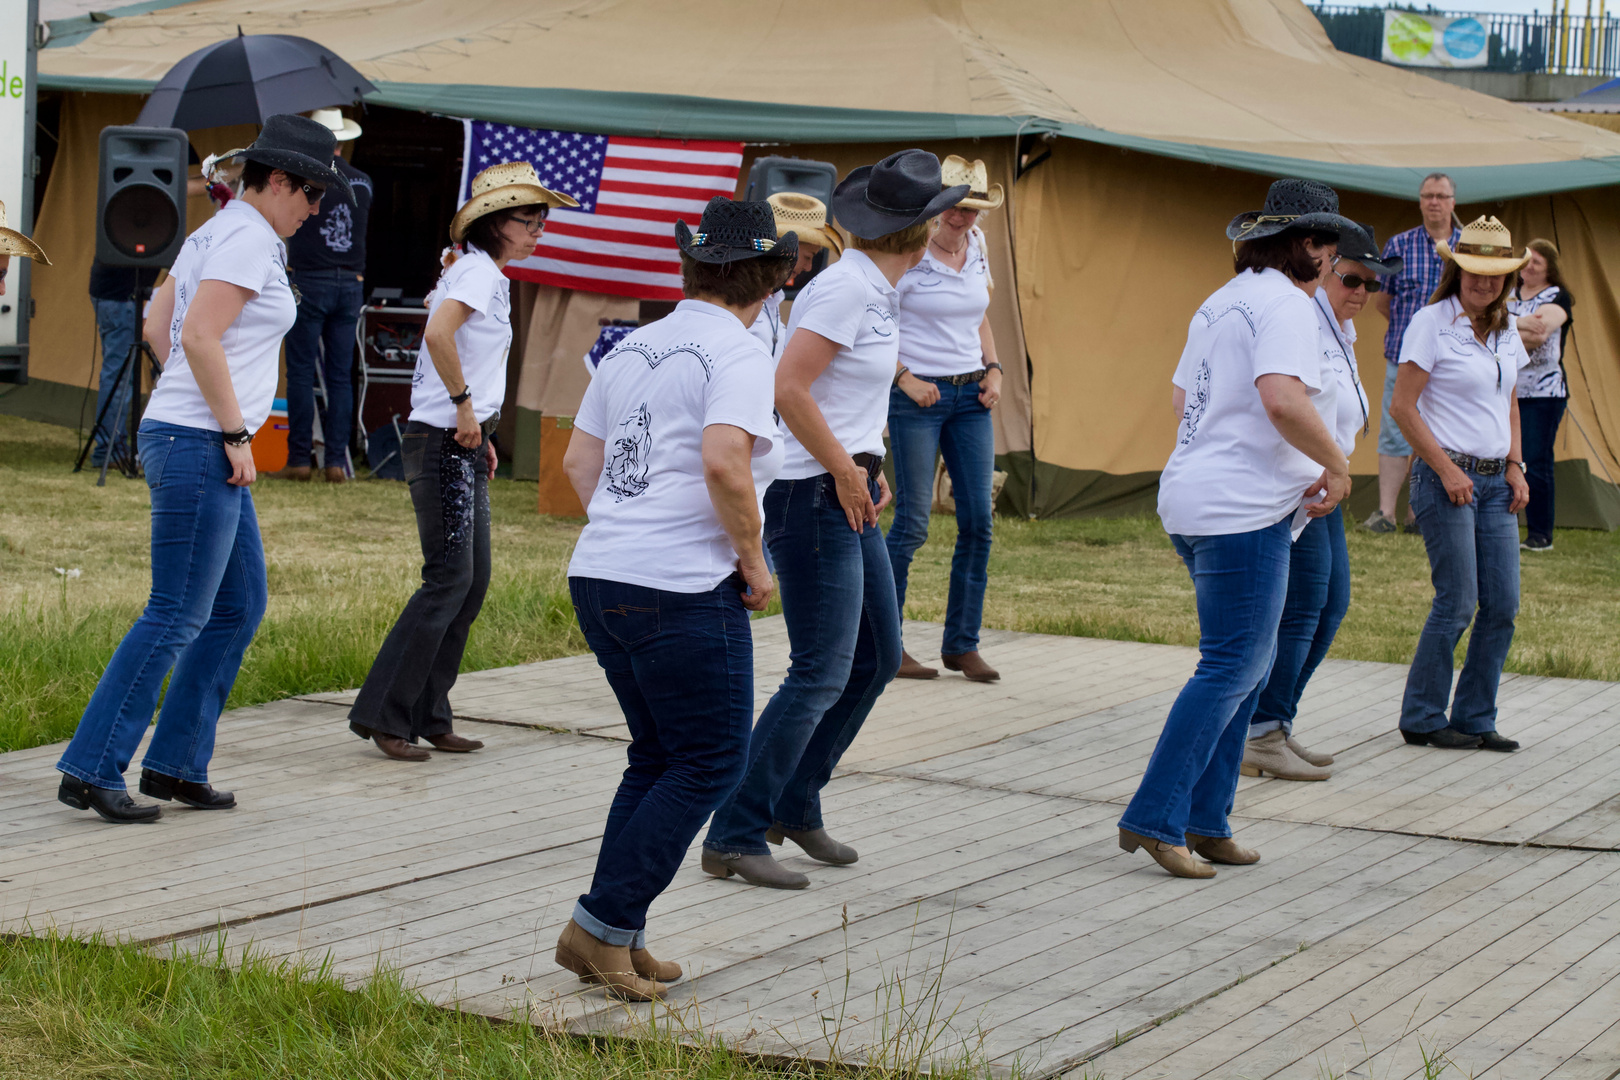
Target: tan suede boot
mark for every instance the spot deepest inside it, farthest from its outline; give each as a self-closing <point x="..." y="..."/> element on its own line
<point x="610" y="965"/>
<point x="1269" y="756"/>
<point x="1321" y="761"/>
<point x="1221" y="849"/>
<point x="649" y="967"/>
<point x="910" y="669"/>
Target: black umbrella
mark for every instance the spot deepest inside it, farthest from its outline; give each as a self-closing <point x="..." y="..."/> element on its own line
<point x="249" y="77"/>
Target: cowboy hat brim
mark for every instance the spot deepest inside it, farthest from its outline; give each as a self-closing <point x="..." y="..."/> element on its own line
<point x="13" y="242"/>
<point x="291" y="161"/>
<point x="852" y="210"/>
<point x="822" y="236"/>
<point x="349" y="130"/>
<point x="504" y="198"/>
<point x="992" y="200"/>
<point x="1483" y="265"/>
<point x="787" y="248"/>
<point x="1250" y="226"/>
<point x="1357" y="245"/>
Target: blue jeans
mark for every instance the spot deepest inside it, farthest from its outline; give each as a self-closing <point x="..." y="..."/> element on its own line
<point x="1538" y="427"/>
<point x="1241" y="582"/>
<point x="1318" y="597"/>
<point x="682" y="667"/>
<point x="115" y="322"/>
<point x="844" y="628"/>
<point x="1391" y="441"/>
<point x="958" y="428"/>
<point x="1474" y="564"/>
<point x="208" y="595"/>
<point x="328" y="308"/>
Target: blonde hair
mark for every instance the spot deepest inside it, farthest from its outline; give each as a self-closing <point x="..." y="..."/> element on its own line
<point x="911" y="238"/>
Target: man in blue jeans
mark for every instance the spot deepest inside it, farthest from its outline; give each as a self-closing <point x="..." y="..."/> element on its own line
<point x="112" y="294"/>
<point x="326" y="261"/>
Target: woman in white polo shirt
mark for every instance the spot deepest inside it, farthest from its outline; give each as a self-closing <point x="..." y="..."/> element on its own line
<point x="947" y="383"/>
<point x="673" y="447"/>
<point x="1455" y="402"/>
<point x="821" y="523"/>
<point x="456" y="398"/>
<point x="1319" y="564"/>
<point x="227" y="305"/>
<point x="1250" y="450"/>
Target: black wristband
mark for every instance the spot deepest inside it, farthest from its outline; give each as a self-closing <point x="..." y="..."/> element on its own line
<point x="996" y="365"/>
<point x="903" y="371"/>
<point x="457" y="399"/>
<point x="240" y="437"/>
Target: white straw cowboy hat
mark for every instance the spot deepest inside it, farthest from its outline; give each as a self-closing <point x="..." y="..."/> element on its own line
<point x="13" y="242"/>
<point x="807" y="216"/>
<point x="501" y="187"/>
<point x="333" y="120"/>
<point x="982" y="195"/>
<point x="1484" y="247"/>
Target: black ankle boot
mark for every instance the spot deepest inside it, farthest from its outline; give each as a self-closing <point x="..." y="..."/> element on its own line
<point x="201" y="796"/>
<point x="114" y="806"/>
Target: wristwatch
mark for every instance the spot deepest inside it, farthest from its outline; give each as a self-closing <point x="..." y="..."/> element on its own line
<point x="996" y="364"/>
<point x="240" y="437"/>
<point x="1520" y="464"/>
<point x="457" y="399"/>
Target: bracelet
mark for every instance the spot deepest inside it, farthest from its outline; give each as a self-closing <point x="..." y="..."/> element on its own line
<point x="903" y="371"/>
<point x="240" y="437"/>
<point x="457" y="399"/>
<point x="995" y="365"/>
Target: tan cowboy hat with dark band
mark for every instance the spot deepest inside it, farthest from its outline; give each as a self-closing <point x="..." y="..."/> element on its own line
<point x="807" y="216"/>
<point x="982" y="195"/>
<point x="501" y="187"/>
<point x="13" y="242"/>
<point x="1484" y="247"/>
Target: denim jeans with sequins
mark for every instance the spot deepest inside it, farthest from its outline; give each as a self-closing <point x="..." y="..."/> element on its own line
<point x="407" y="693"/>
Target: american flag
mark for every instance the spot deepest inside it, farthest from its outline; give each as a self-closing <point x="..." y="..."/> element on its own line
<point x="621" y="240"/>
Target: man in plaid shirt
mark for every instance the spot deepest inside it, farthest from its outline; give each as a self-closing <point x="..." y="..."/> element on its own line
<point x="1400" y="299"/>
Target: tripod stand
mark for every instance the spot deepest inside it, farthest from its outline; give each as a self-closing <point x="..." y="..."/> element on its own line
<point x="124" y="456"/>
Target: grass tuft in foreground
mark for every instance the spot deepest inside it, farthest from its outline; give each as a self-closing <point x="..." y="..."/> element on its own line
<point x="73" y="1009"/>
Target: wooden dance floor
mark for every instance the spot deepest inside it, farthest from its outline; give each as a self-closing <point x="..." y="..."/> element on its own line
<point x="1419" y="901"/>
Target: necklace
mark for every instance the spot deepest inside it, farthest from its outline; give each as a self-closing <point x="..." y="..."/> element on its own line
<point x="935" y="241"/>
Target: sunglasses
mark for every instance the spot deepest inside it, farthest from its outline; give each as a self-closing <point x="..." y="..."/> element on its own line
<point x="1356" y="281"/>
<point x="312" y="192"/>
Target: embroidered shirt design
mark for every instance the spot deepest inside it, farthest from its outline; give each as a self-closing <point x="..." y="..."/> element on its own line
<point x="1197" y="402"/>
<point x="632" y="455"/>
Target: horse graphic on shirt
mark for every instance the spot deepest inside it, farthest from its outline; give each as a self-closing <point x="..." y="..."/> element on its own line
<point x="632" y="455"/>
<point x="1197" y="402"/>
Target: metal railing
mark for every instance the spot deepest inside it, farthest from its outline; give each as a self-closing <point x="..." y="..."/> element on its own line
<point x="1563" y="42"/>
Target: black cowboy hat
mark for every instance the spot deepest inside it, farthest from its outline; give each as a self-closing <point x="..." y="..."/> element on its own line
<point x="1291" y="204"/>
<point x="894" y="194"/>
<point x="299" y="145"/>
<point x="1358" y="245"/>
<point x="731" y="231"/>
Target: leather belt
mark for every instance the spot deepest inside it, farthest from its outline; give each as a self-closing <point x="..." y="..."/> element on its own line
<point x="872" y="463"/>
<point x="976" y="375"/>
<point x="1482" y="466"/>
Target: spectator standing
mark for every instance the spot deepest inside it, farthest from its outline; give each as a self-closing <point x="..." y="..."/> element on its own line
<point x="327" y="264"/>
<point x="1403" y="295"/>
<point x="112" y="295"/>
<point x="1542" y="304"/>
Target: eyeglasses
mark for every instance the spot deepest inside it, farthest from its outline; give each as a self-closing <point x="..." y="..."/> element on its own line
<point x="534" y="225"/>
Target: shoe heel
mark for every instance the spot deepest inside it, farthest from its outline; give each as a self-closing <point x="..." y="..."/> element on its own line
<point x="774" y="836"/>
<point x="1249" y="770"/>
<point x="1128" y="842"/>
<point x="71" y="797"/>
<point x="715" y="868"/>
<point x="569" y="960"/>
<point x="153" y="786"/>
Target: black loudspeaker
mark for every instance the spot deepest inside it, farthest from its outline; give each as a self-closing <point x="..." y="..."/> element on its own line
<point x="772" y="174"/>
<point x="141" y="196"/>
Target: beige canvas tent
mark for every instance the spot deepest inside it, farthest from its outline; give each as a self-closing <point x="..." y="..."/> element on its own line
<point x="1141" y="127"/>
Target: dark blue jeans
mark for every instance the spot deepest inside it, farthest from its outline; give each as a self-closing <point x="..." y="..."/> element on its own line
<point x="115" y="322"/>
<point x="682" y="667"/>
<point x="1241" y="582"/>
<point x="958" y="428"/>
<point x="844" y="628"/>
<point x="208" y="595"/>
<point x="1474" y="564"/>
<point x="1538" y="427"/>
<point x="328" y="308"/>
<point x="1318" y="597"/>
<point x="407" y="690"/>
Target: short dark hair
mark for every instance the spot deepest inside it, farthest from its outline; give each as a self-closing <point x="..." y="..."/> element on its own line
<point x="485" y="232"/>
<point x="1452" y="184"/>
<point x="1283" y="251"/>
<point x="737" y="284"/>
<point x="256" y="176"/>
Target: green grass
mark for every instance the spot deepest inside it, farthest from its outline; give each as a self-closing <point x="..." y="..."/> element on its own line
<point x="72" y="1009"/>
<point x="343" y="560"/>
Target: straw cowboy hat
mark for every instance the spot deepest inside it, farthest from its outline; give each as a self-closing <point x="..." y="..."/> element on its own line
<point x="1484" y="247"/>
<point x="13" y="242"/>
<point x="1292" y="204"/>
<point x="501" y="187"/>
<point x="731" y="231"/>
<point x="982" y="195"/>
<point x="807" y="216"/>
<point x="333" y="120"/>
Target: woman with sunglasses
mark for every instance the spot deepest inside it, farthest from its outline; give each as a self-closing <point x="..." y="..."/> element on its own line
<point x="449" y="460"/>
<point x="1319" y="563"/>
<point x="225" y="308"/>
